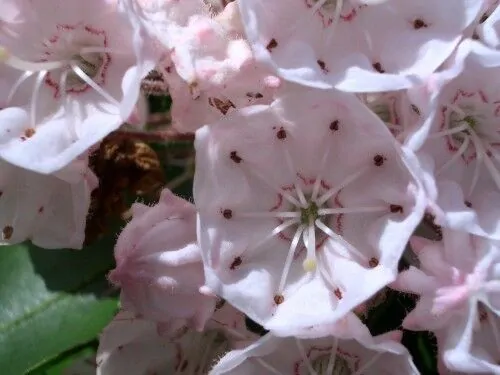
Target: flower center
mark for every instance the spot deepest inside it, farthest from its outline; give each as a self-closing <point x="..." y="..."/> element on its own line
<point x="339" y="367"/>
<point x="201" y="352"/>
<point x="309" y="214"/>
<point x="471" y="135"/>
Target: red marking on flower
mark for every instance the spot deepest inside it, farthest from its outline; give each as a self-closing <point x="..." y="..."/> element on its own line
<point x="100" y="77"/>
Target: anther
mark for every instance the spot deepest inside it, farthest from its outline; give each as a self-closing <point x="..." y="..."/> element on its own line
<point x="7" y="232"/>
<point x="419" y="24"/>
<point x="281" y="134"/>
<point x="236" y="263"/>
<point x="227" y="213"/>
<point x="334" y="125"/>
<point x="279" y="299"/>
<point x="272" y="44"/>
<point x="234" y="157"/>
<point x="396" y="208"/>
<point x="378" y="160"/>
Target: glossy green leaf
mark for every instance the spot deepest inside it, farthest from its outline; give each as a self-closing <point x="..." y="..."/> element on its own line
<point x="51" y="301"/>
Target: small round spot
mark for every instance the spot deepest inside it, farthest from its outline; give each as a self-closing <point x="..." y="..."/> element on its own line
<point x="272" y="45"/>
<point x="378" y="67"/>
<point x="279" y="299"/>
<point x="7" y="232"/>
<point x="235" y="157"/>
<point x="334" y="125"/>
<point x="396" y="208"/>
<point x="41" y="209"/>
<point x="468" y="204"/>
<point x="236" y="263"/>
<point x="419" y="24"/>
<point x="281" y="134"/>
<point x="227" y="213"/>
<point x="373" y="262"/>
<point x="338" y="293"/>
<point x="378" y="160"/>
<point x="30" y="132"/>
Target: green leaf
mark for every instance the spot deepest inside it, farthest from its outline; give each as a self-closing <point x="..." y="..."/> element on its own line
<point x="51" y="301"/>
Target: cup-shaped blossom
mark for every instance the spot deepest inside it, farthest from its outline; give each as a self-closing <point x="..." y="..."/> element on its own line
<point x="130" y="345"/>
<point x="78" y="78"/>
<point x="50" y="210"/>
<point x="158" y="264"/>
<point x="458" y="144"/>
<point x="355" y="353"/>
<point x="354" y="45"/>
<point x="305" y="207"/>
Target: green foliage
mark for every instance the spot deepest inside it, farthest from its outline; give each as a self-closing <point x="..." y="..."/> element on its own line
<point x="51" y="301"/>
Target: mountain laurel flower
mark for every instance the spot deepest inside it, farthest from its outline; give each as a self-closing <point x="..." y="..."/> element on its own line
<point x="356" y="46"/>
<point x="305" y="207"/>
<point x="77" y="79"/>
<point x="131" y="345"/>
<point x="458" y="143"/>
<point x="357" y="353"/>
<point x="158" y="264"/>
<point x="459" y="287"/>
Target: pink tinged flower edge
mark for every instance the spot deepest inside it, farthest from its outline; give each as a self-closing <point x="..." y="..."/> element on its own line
<point x="279" y="217"/>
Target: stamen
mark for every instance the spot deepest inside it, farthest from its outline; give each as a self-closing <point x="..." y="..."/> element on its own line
<point x="18" y="83"/>
<point x="350" y="210"/>
<point x="449" y="131"/>
<point x="483" y="156"/>
<point x="289" y="259"/>
<point x="266" y="365"/>
<point x="289" y="163"/>
<point x="335" y="20"/>
<point x="455" y="157"/>
<point x="80" y="73"/>
<point x="349" y="179"/>
<point x="368" y="364"/>
<point x="23" y="65"/>
<point x="306" y="359"/>
<point x="34" y="97"/>
<point x="319" y="177"/>
<point x="334" y="236"/>
<point x="333" y="356"/>
<point x="278" y="190"/>
<point x="279" y="214"/>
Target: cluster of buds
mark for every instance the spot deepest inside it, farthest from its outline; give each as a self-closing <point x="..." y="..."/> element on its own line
<point x="333" y="138"/>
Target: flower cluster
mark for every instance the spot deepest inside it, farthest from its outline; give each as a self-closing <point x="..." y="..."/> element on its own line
<point x="333" y="138"/>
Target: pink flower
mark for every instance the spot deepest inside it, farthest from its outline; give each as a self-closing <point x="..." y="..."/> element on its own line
<point x="129" y="345"/>
<point x="458" y="283"/>
<point x="77" y="78"/>
<point x="305" y="207"/>
<point x="158" y="264"/>
<point x="356" y="46"/>
<point x="457" y="144"/>
<point x="359" y="353"/>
